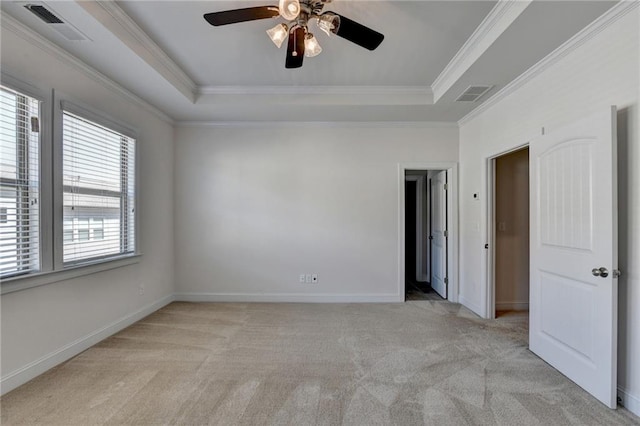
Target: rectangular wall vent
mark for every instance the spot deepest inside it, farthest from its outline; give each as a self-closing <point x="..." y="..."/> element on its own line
<point x="65" y="29"/>
<point x="473" y="93"/>
<point x="43" y="13"/>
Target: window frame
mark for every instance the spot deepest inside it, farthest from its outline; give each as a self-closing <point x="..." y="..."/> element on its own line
<point x="52" y="268"/>
<point x="44" y="171"/>
<point x="64" y="103"/>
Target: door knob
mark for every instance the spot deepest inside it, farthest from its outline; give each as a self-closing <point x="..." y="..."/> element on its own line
<point x="600" y="272"/>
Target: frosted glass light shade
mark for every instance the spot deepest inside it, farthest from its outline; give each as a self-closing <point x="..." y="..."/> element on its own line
<point x="289" y="9"/>
<point x="278" y="34"/>
<point x="329" y="23"/>
<point x="311" y="46"/>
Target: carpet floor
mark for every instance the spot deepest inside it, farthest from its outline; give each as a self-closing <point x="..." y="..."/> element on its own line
<point x="420" y="291"/>
<point x="411" y="363"/>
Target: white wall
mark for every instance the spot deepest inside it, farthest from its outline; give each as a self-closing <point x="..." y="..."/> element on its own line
<point x="44" y="325"/>
<point x="257" y="206"/>
<point x="601" y="72"/>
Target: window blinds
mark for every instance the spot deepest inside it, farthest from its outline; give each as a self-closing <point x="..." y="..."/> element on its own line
<point x="98" y="191"/>
<point x="19" y="183"/>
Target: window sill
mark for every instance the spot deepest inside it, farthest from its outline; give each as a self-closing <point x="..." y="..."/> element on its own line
<point x="37" y="279"/>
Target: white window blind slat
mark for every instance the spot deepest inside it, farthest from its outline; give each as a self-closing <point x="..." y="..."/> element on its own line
<point x="98" y="191"/>
<point x="19" y="184"/>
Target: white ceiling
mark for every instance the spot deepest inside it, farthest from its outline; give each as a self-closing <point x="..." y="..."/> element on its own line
<point x="166" y="53"/>
<point x="420" y="38"/>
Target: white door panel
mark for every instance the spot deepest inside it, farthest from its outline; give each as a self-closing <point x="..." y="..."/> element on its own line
<point x="555" y="290"/>
<point x="438" y="234"/>
<point x="573" y="313"/>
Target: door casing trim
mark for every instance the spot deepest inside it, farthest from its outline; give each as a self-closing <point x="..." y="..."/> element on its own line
<point x="489" y="297"/>
<point x="452" y="220"/>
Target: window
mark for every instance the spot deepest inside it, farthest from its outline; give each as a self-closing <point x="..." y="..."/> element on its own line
<point x="19" y="183"/>
<point x="98" y="177"/>
<point x="97" y="228"/>
<point x="68" y="231"/>
<point x="83" y="229"/>
<point x="82" y="218"/>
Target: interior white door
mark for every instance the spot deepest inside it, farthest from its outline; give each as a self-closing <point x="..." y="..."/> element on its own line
<point x="573" y="312"/>
<point x="438" y="233"/>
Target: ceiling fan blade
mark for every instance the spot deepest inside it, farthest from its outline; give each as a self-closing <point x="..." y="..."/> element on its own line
<point x="241" y="15"/>
<point x="359" y="34"/>
<point x="295" y="48"/>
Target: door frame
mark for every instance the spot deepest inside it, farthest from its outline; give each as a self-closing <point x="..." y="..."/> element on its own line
<point x="490" y="287"/>
<point x="452" y="221"/>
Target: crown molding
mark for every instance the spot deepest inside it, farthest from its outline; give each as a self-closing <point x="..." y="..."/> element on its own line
<point x="503" y="14"/>
<point x="19" y="29"/>
<point x="316" y="95"/>
<point x="323" y="124"/>
<point x="313" y="90"/>
<point x="109" y="14"/>
<point x="616" y="12"/>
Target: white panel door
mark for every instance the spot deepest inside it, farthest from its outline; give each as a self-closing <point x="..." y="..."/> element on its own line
<point x="573" y="312"/>
<point x="438" y="234"/>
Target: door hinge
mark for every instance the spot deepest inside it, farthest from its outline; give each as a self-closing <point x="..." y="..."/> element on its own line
<point x="446" y="233"/>
<point x="446" y="186"/>
<point x="446" y="280"/>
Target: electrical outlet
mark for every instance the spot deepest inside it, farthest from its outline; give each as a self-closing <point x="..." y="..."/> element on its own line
<point x="141" y="289"/>
<point x="307" y="278"/>
<point x="314" y="278"/>
<point x="302" y="278"/>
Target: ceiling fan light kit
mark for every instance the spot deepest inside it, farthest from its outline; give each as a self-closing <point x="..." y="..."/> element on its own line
<point x="301" y="41"/>
<point x="328" y="22"/>
<point x="311" y="46"/>
<point x="289" y="9"/>
<point x="278" y="34"/>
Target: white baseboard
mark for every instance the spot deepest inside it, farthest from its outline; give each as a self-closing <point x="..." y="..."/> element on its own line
<point x="471" y="306"/>
<point x="289" y="297"/>
<point x="512" y="306"/>
<point x="22" y="375"/>
<point x="628" y="401"/>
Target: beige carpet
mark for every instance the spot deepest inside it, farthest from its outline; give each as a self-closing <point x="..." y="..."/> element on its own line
<point x="309" y="364"/>
<point x="420" y="291"/>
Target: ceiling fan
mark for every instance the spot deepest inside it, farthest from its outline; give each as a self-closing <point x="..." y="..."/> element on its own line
<point x="299" y="13"/>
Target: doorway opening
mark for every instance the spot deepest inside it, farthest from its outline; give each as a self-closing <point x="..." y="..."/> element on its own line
<point x="509" y="236"/>
<point x="426" y="257"/>
<point x="573" y="296"/>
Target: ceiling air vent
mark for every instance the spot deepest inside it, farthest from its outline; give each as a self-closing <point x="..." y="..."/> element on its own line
<point x="49" y="17"/>
<point x="473" y="93"/>
<point x="44" y="14"/>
